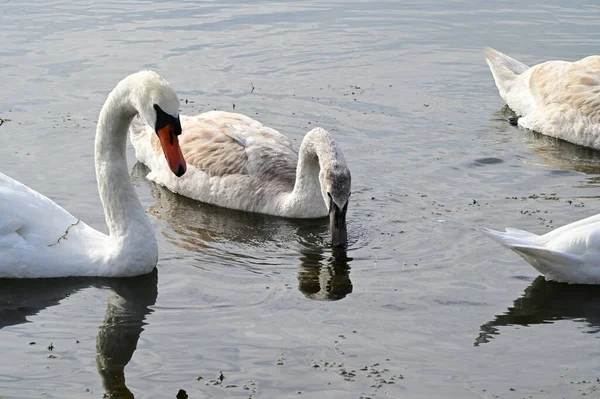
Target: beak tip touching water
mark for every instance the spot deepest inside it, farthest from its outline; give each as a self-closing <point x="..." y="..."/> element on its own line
<point x="337" y="225"/>
<point x="339" y="244"/>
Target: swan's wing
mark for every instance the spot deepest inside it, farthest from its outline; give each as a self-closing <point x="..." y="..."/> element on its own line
<point x="214" y="143"/>
<point x="593" y="62"/>
<point x="224" y="144"/>
<point x="28" y="219"/>
<point x="568" y="84"/>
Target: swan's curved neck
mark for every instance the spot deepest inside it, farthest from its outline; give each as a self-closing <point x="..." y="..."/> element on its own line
<point x="127" y="222"/>
<point x="317" y="151"/>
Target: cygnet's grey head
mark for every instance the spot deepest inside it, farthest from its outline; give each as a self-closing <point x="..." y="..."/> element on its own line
<point x="336" y="186"/>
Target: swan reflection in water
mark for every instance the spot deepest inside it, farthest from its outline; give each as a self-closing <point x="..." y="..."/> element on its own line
<point x="209" y="230"/>
<point x="118" y="334"/>
<point x="556" y="153"/>
<point x="544" y="302"/>
<point x="324" y="277"/>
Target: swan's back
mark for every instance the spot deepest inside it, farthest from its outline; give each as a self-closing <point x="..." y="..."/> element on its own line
<point x="592" y="62"/>
<point x="566" y="83"/>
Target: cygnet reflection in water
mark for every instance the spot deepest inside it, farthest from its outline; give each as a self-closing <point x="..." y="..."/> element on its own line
<point x="253" y="240"/>
<point x="324" y="276"/>
<point x="544" y="302"/>
<point x="120" y="331"/>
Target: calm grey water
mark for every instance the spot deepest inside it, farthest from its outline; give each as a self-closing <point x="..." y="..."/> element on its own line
<point x="420" y="306"/>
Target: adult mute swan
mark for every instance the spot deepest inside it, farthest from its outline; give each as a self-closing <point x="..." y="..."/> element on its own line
<point x="38" y="238"/>
<point x="569" y="254"/>
<point x="557" y="98"/>
<point x="236" y="162"/>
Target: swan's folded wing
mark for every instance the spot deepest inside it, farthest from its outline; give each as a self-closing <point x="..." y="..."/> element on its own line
<point x="213" y="145"/>
<point x="570" y="84"/>
<point x="224" y="143"/>
<point x="593" y="62"/>
<point x="27" y="218"/>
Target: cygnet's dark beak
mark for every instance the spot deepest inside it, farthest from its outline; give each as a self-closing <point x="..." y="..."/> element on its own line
<point x="337" y="225"/>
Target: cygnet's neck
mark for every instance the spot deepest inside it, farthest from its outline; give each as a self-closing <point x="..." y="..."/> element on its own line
<point x="317" y="151"/>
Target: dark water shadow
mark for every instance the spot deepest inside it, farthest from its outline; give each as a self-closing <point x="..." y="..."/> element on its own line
<point x="118" y="334"/>
<point x="210" y="230"/>
<point x="544" y="302"/>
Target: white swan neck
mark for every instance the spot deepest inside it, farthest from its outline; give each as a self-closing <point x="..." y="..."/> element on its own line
<point x="127" y="222"/>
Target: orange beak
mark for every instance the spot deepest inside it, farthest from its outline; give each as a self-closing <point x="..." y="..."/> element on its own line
<point x="170" y="146"/>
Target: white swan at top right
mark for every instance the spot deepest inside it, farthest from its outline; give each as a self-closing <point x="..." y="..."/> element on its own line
<point x="560" y="99"/>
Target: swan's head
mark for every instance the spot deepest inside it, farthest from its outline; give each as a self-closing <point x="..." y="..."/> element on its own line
<point x="158" y="106"/>
<point x="335" y="187"/>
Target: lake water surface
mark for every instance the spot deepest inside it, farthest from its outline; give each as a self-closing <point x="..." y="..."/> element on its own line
<point x="420" y="306"/>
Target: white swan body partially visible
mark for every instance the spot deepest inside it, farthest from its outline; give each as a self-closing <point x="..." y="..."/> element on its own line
<point x="39" y="239"/>
<point x="30" y="227"/>
<point x="557" y="98"/>
<point x="569" y="254"/>
<point x="237" y="163"/>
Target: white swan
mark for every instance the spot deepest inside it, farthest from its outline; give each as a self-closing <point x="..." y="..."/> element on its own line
<point x="38" y="238"/>
<point x="557" y="98"/>
<point x="569" y="254"/>
<point x="236" y="162"/>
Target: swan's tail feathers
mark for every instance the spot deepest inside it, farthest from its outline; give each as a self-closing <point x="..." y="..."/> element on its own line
<point x="504" y="68"/>
<point x="551" y="263"/>
<point x="554" y="265"/>
<point x="545" y="256"/>
<point x="520" y="233"/>
<point x="510" y="237"/>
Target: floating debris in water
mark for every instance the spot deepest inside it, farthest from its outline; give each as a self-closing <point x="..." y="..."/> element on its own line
<point x="182" y="394"/>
